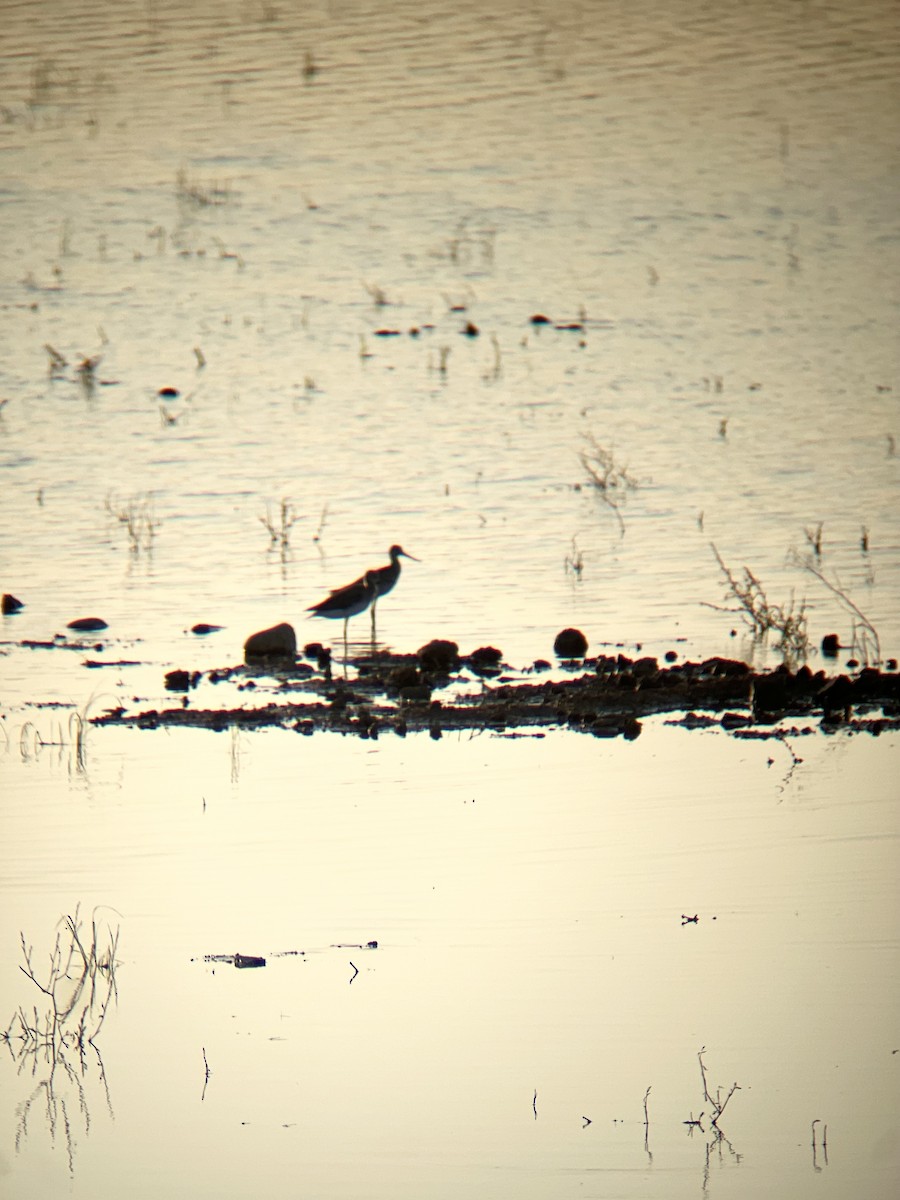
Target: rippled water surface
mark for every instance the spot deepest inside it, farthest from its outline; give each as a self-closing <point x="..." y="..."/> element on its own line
<point x="290" y="214"/>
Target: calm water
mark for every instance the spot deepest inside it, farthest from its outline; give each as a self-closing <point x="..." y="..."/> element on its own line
<point x="232" y="200"/>
<point x="528" y="900"/>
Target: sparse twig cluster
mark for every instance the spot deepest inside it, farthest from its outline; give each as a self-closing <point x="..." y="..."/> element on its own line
<point x="136" y="516"/>
<point x="377" y="293"/>
<point x="716" y="1103"/>
<point x="789" y="622"/>
<point x="77" y="984"/>
<point x="201" y="195"/>
<point x="85" y="371"/>
<point x="865" y="643"/>
<point x="470" y="244"/>
<point x="280" y="530"/>
<point x="607" y="475"/>
<point x="574" y="562"/>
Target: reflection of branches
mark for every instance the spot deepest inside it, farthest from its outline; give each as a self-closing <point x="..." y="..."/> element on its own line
<point x="719" y="1143"/>
<point x="77" y="985"/>
<point x="796" y="760"/>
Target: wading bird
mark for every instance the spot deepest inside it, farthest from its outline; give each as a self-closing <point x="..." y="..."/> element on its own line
<point x="384" y="578"/>
<point x="355" y="597"/>
<point x="346" y="602"/>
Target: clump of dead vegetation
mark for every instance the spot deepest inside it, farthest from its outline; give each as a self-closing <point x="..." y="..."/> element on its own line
<point x="865" y="642"/>
<point x="54" y="1038"/>
<point x="609" y="477"/>
<point x="208" y="194"/>
<point x="137" y="518"/>
<point x="77" y="983"/>
<point x="279" y="528"/>
<point x="761" y="615"/>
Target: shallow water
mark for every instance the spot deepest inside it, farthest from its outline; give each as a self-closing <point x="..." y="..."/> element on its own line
<point x="528" y="900"/>
<point x="711" y="193"/>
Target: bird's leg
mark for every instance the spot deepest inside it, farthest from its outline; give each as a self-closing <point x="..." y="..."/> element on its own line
<point x="374" y="603"/>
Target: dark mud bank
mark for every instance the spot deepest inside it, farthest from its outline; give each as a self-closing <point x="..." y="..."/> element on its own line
<point x="607" y="697"/>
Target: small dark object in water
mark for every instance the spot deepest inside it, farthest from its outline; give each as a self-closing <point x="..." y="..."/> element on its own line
<point x="671" y="656"/>
<point x="248" y="960"/>
<point x="279" y="641"/>
<point x="10" y="604"/>
<point x="87" y="624"/>
<point x="323" y="661"/>
<point x="831" y="645"/>
<point x="439" y="655"/>
<point x="540" y="319"/>
<point x="387" y="332"/>
<point x="202" y="628"/>
<point x="181" y="680"/>
<point x="168" y="393"/>
<point x="470" y="330"/>
<point x="570" y="326"/>
<point x="570" y="643"/>
<point x="891" y="664"/>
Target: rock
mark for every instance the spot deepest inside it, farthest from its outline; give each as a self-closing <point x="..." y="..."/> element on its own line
<point x="570" y="643"/>
<point x="831" y="645"/>
<point x="403" y="677"/>
<point x="837" y="699"/>
<point x="733" y="668"/>
<point x="87" y="624"/>
<point x="486" y="661"/>
<point x="201" y="628"/>
<point x="439" y="655"/>
<point x="645" y="668"/>
<point x="769" y="695"/>
<point x="486" y="656"/>
<point x="9" y="604"/>
<point x="180" y="680"/>
<point x="278" y="642"/>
